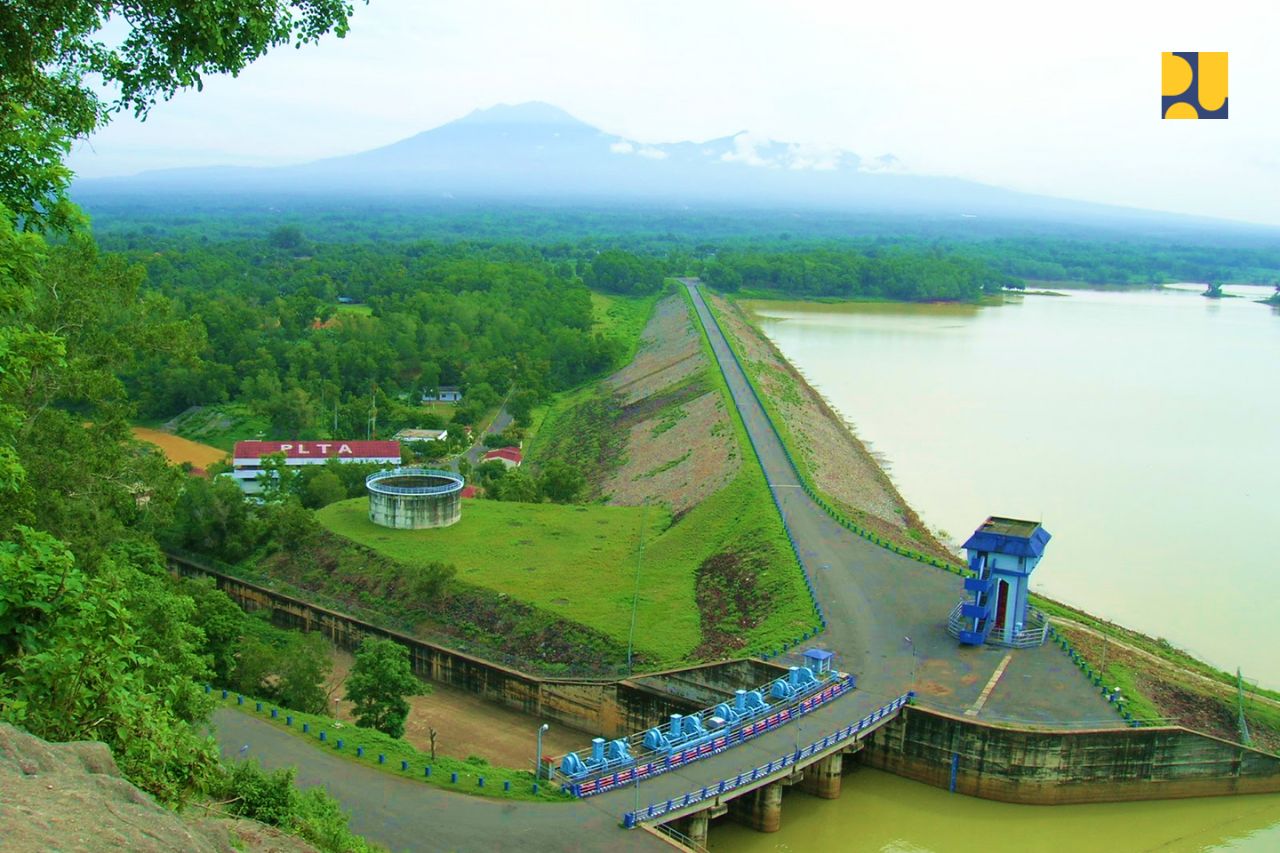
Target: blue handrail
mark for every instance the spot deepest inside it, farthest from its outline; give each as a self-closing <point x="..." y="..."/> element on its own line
<point x="373" y="481"/>
<point x="653" y="810"/>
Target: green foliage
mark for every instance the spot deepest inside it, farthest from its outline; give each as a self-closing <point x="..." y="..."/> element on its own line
<point x="55" y="58"/>
<point x="560" y="482"/>
<point x="481" y="318"/>
<point x="847" y="273"/>
<point x="378" y="684"/>
<point x="323" y="489"/>
<point x="273" y="798"/>
<point x="111" y="656"/>
<point x="520" y="405"/>
<point x="618" y="271"/>
<point x="515" y="485"/>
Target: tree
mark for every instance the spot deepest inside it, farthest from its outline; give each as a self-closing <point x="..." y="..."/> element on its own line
<point x="561" y="482"/>
<point x="379" y="683"/>
<point x="54" y="53"/>
<point x="516" y="485"/>
<point x="521" y="407"/>
<point x="303" y="668"/>
<point x="322" y="489"/>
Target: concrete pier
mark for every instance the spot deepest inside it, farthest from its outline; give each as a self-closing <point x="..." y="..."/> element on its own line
<point x="761" y="809"/>
<point x="823" y="777"/>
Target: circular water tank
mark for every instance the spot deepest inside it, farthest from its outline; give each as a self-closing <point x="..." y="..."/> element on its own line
<point x="414" y="498"/>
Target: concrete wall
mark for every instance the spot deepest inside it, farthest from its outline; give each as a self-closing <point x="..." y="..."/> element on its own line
<point x="704" y="686"/>
<point x="415" y="512"/>
<point x="595" y="706"/>
<point x="1030" y="766"/>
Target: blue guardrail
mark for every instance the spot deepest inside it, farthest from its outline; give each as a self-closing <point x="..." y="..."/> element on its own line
<point x="655" y="810"/>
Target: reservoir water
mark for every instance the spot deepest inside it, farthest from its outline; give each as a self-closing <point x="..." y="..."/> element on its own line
<point x="1140" y="427"/>
<point x="880" y="812"/>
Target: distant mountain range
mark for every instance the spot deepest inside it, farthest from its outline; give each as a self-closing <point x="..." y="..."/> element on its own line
<point x="535" y="152"/>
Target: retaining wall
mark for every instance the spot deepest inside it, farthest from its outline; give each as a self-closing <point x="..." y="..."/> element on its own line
<point x="598" y="706"/>
<point x="1057" y="768"/>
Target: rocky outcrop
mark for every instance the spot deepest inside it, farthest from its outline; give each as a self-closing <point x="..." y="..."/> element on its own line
<point x="71" y="797"/>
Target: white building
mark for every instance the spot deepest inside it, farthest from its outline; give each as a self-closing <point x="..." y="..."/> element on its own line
<point x="246" y="459"/>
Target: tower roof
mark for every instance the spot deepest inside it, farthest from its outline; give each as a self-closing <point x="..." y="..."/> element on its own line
<point x="1009" y="536"/>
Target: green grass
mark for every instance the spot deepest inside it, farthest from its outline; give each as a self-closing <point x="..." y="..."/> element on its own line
<point x="580" y="561"/>
<point x="359" y="310"/>
<point x="623" y="317"/>
<point x="575" y="561"/>
<point x="397" y="750"/>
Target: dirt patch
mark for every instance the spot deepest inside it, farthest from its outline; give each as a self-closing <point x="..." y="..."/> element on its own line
<point x="670" y="352"/>
<point x="729" y="604"/>
<point x="840" y="464"/>
<point x="467" y="725"/>
<point x="676" y="442"/>
<point x="178" y="450"/>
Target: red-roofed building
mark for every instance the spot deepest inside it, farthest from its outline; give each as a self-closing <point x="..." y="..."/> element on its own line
<point x="247" y="456"/>
<point x="509" y="456"/>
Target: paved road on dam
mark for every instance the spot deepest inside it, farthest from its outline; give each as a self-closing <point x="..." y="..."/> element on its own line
<point x="404" y="814"/>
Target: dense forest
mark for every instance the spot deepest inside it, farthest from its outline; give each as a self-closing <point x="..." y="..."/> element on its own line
<point x="1181" y="250"/>
<point x="266" y="328"/>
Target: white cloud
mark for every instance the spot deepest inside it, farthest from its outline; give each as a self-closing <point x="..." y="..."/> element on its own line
<point x="746" y="150"/>
<point x="622" y="147"/>
<point x="652" y="153"/>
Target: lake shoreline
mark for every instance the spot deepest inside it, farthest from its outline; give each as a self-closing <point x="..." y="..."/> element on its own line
<point x="1181" y="688"/>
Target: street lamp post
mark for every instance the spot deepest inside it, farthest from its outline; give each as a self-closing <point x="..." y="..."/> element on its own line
<point x="910" y="643"/>
<point x="537" y="768"/>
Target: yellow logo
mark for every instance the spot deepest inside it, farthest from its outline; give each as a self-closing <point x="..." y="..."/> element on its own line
<point x="1193" y="84"/>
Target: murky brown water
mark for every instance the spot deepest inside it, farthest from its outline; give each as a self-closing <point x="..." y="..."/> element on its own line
<point x="880" y="812"/>
<point x="1140" y="427"/>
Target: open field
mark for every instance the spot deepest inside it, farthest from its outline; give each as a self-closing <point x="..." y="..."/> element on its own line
<point x="718" y="580"/>
<point x="465" y="724"/>
<point x="577" y="561"/>
<point x="179" y="450"/>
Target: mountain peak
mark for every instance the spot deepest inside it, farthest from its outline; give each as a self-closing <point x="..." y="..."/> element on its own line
<point x="529" y="112"/>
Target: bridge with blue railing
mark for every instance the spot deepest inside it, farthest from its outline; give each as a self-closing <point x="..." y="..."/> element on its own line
<point x="719" y="791"/>
<point x="689" y="738"/>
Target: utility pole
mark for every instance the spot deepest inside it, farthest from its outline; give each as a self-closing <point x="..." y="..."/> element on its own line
<point x="1244" y="724"/>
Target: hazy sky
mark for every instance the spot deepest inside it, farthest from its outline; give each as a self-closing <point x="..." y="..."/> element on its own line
<point x="1055" y="98"/>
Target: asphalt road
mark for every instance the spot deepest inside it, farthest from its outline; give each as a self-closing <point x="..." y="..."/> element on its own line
<point x="405" y="815"/>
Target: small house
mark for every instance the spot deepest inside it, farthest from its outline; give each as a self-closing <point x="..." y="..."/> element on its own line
<point x="443" y="394"/>
<point x="508" y="456"/>
<point x="411" y="435"/>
